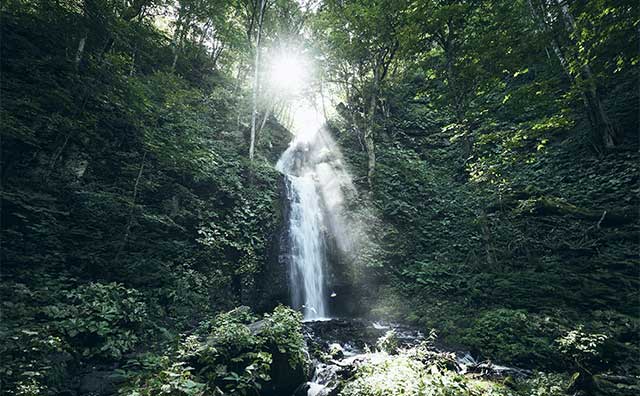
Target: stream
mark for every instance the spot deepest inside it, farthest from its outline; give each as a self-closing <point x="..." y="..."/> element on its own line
<point x="338" y="346"/>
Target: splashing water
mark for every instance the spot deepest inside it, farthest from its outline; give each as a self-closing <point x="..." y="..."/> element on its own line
<point x="316" y="183"/>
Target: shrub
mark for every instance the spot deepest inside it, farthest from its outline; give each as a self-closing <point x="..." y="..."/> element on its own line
<point x="224" y="356"/>
<point x="33" y="360"/>
<point x="175" y="379"/>
<point x="283" y="332"/>
<point x="100" y="320"/>
<point x="386" y="375"/>
<point x="544" y="384"/>
<point x="513" y="337"/>
<point x="583" y="348"/>
<point x="388" y="342"/>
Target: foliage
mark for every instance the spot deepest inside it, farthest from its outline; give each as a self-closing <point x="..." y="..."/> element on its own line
<point x="34" y="359"/>
<point x="100" y="319"/>
<point x="129" y="208"/>
<point x="282" y="332"/>
<point x="493" y="171"/>
<point x="583" y="348"/>
<point x="543" y="384"/>
<point x="404" y="375"/>
<point x="514" y="336"/>
<point x="388" y="343"/>
<point x="232" y="359"/>
<point x="175" y="380"/>
<point x="502" y="211"/>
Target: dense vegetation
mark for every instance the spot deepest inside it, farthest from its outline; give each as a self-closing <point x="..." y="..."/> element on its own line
<point x="128" y="214"/>
<point x="496" y="143"/>
<point x="510" y="220"/>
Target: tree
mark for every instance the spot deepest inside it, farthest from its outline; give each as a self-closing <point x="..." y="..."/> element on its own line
<point x="256" y="76"/>
<point x="363" y="39"/>
<point x="574" y="39"/>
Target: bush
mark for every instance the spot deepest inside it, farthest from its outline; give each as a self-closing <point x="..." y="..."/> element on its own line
<point x="171" y="379"/>
<point x="33" y="360"/>
<point x="283" y="332"/>
<point x="100" y="320"/>
<point x="544" y="384"/>
<point x="513" y="337"/>
<point x="386" y="375"/>
<point x="231" y="354"/>
<point x="583" y="348"/>
<point x="388" y="342"/>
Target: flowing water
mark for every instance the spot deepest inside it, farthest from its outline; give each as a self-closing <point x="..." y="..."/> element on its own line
<point x="307" y="247"/>
<point x="339" y="346"/>
<point x="317" y="183"/>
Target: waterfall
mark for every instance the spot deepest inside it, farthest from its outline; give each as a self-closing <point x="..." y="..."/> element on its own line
<point x="305" y="231"/>
<point x="307" y="247"/>
<point x="317" y="186"/>
<point x="316" y="182"/>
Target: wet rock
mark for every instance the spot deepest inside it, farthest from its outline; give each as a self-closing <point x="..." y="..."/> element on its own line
<point x="98" y="383"/>
<point x="340" y="346"/>
<point x="302" y="390"/>
<point x="273" y="286"/>
<point x="336" y="351"/>
<point x="468" y="365"/>
<point x="256" y="327"/>
<point x="285" y="380"/>
<point x="616" y="385"/>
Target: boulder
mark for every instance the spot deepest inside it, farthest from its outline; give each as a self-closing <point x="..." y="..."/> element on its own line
<point x="285" y="380"/>
<point x="98" y="382"/>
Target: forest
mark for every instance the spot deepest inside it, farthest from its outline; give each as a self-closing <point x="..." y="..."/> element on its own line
<point x="320" y="197"/>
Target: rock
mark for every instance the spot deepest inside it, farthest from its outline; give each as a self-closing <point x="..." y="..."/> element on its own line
<point x="302" y="390"/>
<point x="273" y="287"/>
<point x="616" y="385"/>
<point x="285" y="380"/>
<point x="467" y="364"/>
<point x="336" y="351"/>
<point x="256" y="327"/>
<point x="580" y="383"/>
<point x="98" y="383"/>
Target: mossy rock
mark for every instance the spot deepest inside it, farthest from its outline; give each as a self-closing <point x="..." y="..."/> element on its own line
<point x="611" y="385"/>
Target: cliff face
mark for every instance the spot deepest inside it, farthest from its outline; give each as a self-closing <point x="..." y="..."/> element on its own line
<point x="272" y="287"/>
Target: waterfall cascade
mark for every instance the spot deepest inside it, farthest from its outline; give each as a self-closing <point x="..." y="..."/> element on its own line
<point x="316" y="183"/>
<point x="307" y="247"/>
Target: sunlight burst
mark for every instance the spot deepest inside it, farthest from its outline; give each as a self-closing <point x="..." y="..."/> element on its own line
<point x="288" y="74"/>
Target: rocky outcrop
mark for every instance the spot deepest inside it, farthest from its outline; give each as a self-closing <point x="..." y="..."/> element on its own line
<point x="273" y="287"/>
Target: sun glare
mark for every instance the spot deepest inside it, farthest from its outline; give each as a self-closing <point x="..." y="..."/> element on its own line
<point x="289" y="79"/>
<point x="306" y="121"/>
<point x="288" y="74"/>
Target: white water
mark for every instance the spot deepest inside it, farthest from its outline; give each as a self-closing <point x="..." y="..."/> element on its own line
<point x="306" y="231"/>
<point x="307" y="247"/>
<point x="318" y="185"/>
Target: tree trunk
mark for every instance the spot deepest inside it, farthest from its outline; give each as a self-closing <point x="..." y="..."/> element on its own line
<point x="604" y="129"/>
<point x="369" y="129"/>
<point x="127" y="230"/>
<point x="324" y="108"/>
<point x="80" y="50"/>
<point x="264" y="121"/>
<point x="256" y="81"/>
<point x="176" y="39"/>
<point x="240" y="76"/>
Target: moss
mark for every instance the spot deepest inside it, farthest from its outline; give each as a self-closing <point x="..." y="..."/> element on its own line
<point x="514" y="337"/>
